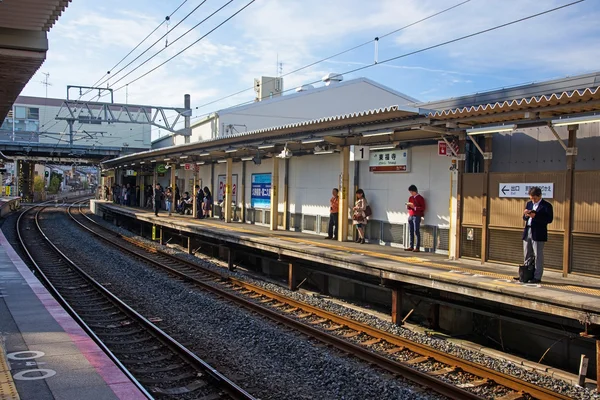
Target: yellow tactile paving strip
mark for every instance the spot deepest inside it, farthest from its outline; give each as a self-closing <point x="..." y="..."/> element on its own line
<point x="408" y="260"/>
<point x="8" y="391"/>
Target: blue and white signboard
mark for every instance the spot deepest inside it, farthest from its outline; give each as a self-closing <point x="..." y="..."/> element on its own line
<point x="261" y="191"/>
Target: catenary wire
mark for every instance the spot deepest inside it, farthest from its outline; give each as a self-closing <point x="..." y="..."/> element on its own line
<point x="143" y="40"/>
<point x="513" y="22"/>
<point x="172" y="43"/>
<point x="344" y="51"/>
<point x="153" y="44"/>
<point x="188" y="47"/>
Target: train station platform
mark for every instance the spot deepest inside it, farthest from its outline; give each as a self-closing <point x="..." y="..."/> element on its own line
<point x="574" y="297"/>
<point x="44" y="353"/>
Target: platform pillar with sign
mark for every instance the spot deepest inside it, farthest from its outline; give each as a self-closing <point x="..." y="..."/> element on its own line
<point x="275" y="195"/>
<point x="485" y="207"/>
<point x="228" y="198"/>
<point x="344" y="189"/>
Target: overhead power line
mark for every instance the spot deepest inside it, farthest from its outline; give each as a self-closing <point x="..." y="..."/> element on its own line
<point x="188" y="47"/>
<point x="172" y="43"/>
<point x="343" y="52"/>
<point x="513" y="22"/>
<point x="153" y="44"/>
<point x="143" y="40"/>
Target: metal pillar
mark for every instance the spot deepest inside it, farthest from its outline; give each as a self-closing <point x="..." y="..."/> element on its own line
<point x="274" y="194"/>
<point x="186" y="118"/>
<point x="286" y="210"/>
<point x="570" y="174"/>
<point x="228" y="192"/>
<point x="345" y="196"/>
<point x="194" y="193"/>
<point x="173" y="181"/>
<point x="462" y="142"/>
<point x="242" y="191"/>
<point x="485" y="220"/>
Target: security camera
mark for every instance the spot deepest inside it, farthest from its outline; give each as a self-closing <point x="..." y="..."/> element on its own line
<point x="285" y="153"/>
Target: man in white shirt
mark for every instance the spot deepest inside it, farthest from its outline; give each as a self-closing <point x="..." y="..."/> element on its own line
<point x="538" y="214"/>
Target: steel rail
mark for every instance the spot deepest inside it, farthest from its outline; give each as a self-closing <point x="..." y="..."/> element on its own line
<point x="508" y="381"/>
<point x="229" y="386"/>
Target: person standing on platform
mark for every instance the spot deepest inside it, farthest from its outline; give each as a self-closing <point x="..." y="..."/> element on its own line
<point x="334" y="209"/>
<point x="157" y="198"/>
<point x="168" y="200"/>
<point x="416" y="212"/>
<point x="359" y="215"/>
<point x="199" y="197"/>
<point x="207" y="202"/>
<point x="538" y="214"/>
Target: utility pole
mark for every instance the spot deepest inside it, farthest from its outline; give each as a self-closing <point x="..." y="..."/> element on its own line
<point x="187" y="117"/>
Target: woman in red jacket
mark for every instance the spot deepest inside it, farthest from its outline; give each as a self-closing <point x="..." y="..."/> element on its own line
<point x="416" y="211"/>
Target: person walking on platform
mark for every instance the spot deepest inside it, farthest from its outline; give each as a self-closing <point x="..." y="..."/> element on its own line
<point x="538" y="214"/>
<point x="416" y="212"/>
<point x="334" y="209"/>
<point x="157" y="198"/>
<point x="359" y="215"/>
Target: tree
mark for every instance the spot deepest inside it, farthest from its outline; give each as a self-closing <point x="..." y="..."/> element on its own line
<point x="54" y="184"/>
<point x="38" y="184"/>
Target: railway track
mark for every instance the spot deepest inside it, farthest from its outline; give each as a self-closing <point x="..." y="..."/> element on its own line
<point x="442" y="372"/>
<point x="159" y="365"/>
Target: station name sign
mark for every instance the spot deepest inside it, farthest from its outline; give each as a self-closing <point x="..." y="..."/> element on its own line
<point x="389" y="161"/>
<point x="521" y="190"/>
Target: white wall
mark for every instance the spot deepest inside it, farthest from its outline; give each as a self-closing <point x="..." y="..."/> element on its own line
<point x="387" y="192"/>
<point x="311" y="180"/>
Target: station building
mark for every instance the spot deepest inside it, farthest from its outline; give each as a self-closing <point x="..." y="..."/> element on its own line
<point x="471" y="157"/>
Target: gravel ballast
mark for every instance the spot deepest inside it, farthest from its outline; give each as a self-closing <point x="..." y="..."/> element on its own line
<point x="269" y="361"/>
<point x="504" y="366"/>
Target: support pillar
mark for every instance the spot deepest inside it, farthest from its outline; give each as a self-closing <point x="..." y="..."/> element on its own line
<point x="274" y="194"/>
<point x="291" y="276"/>
<point x="397" y="295"/>
<point x="485" y="220"/>
<point x="460" y="170"/>
<point x="187" y="117"/>
<point x="212" y="186"/>
<point x="228" y="191"/>
<point x="598" y="365"/>
<point x="230" y="254"/>
<point x="345" y="196"/>
<point x="286" y="206"/>
<point x="194" y="194"/>
<point x="189" y="245"/>
<point x="160" y="238"/>
<point x="568" y="218"/>
<point x="242" y="192"/>
<point x="173" y="182"/>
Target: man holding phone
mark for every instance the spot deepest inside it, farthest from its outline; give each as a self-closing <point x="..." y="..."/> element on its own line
<point x="538" y="214"/>
<point x="416" y="211"/>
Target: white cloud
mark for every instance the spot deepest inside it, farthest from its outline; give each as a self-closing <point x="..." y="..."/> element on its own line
<point x="91" y="37"/>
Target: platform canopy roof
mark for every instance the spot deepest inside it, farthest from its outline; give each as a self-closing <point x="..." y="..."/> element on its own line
<point x="23" y="43"/>
<point x="427" y="122"/>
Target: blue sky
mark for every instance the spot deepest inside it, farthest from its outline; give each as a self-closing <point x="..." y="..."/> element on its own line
<point x="91" y="36"/>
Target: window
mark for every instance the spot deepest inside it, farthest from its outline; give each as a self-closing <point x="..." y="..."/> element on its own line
<point x="33" y="113"/>
<point x="20" y="112"/>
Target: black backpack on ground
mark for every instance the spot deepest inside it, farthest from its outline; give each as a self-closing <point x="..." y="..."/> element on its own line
<point x="526" y="271"/>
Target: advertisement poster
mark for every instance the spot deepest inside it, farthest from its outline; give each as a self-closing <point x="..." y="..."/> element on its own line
<point x="389" y="161"/>
<point x="223" y="182"/>
<point x="261" y="191"/>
